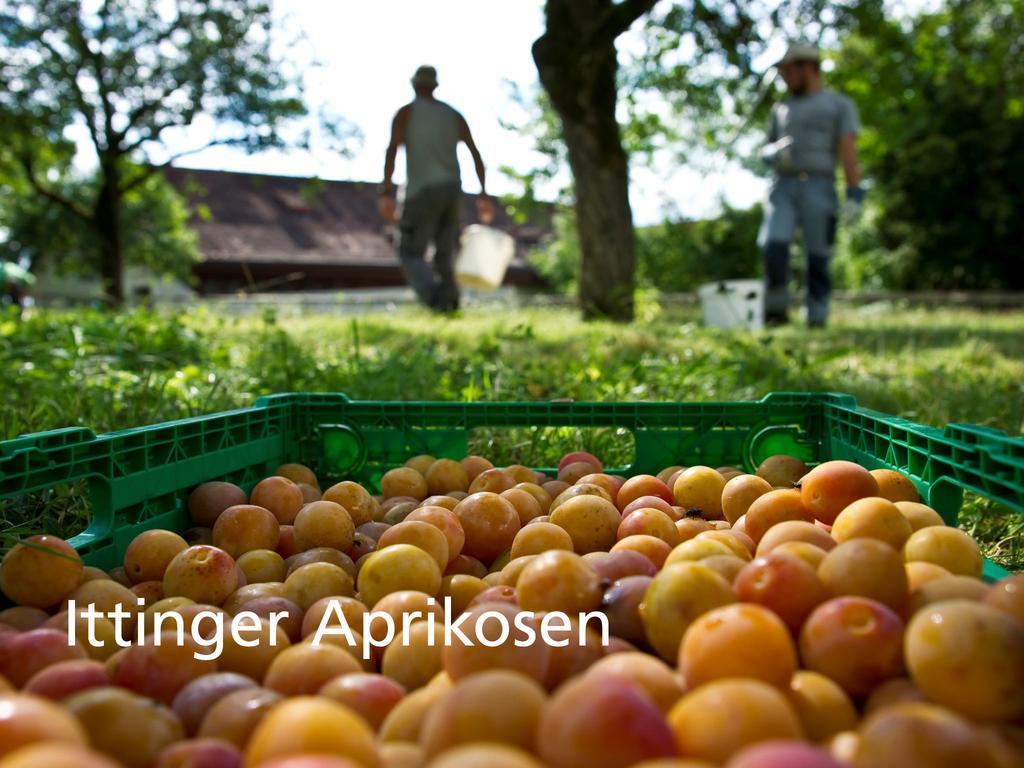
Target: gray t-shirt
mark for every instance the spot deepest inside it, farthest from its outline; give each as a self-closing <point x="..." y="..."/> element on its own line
<point x="815" y="122"/>
<point x="431" y="141"/>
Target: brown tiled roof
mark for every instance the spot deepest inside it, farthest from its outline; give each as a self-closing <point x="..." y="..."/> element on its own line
<point x="254" y="218"/>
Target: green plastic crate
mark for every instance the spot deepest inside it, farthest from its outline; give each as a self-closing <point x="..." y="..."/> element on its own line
<point x="140" y="478"/>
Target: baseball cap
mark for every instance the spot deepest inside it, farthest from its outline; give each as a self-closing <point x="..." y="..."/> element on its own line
<point x="425" y="76"/>
<point x="799" y="52"/>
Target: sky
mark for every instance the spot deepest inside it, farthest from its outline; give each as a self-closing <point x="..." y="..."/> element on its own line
<point x="368" y="50"/>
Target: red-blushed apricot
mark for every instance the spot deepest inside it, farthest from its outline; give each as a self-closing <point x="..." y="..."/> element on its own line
<point x="581" y="456"/>
<point x="739" y="493"/>
<point x="162" y="665"/>
<point x="895" y="486"/>
<point x="823" y="707"/>
<point x="474" y="465"/>
<point x="784" y="754"/>
<point x="492" y="481"/>
<point x="499" y="593"/>
<point x="243" y="528"/>
<point x="131" y="729"/>
<point x="393" y="501"/>
<point x="103" y="642"/>
<point x="700" y="488"/>
<point x="297" y="473"/>
<point x="554" y="488"/>
<point x="648" y="502"/>
<point x="579" y="489"/>
<point x="286" y="544"/>
<point x="310" y="493"/>
<point x="208" y="500"/>
<point x="444" y="501"/>
<point x="539" y="538"/>
<point x="24" y="654"/>
<point x="559" y="581"/>
<point x="675" y="598"/>
<point x="610" y="484"/>
<point x="371" y="696"/>
<point x="312" y="725"/>
<point x="39" y="571"/>
<point x="542" y="497"/>
<point x="414" y="658"/>
<point x="282" y="497"/>
<point x="399" y="512"/>
<point x="356" y="500"/>
<point x="771" y="509"/>
<point x="446" y="475"/>
<point x="240" y="597"/>
<point x="583" y="649"/>
<point x="520" y="473"/>
<point x="918" y="734"/>
<point x="831" y="487"/>
<point x="895" y="691"/>
<point x="26" y="719"/>
<point x="315" y="581"/>
<point x="324" y="524"/>
<point x="654" y="676"/>
<point x="149" y="553"/>
<point x="22" y="617"/>
<point x="781" y="471"/>
<point x="726" y="566"/>
<point x="461" y="588"/>
<point x="867" y="568"/>
<point x="444" y="520"/>
<point x="612" y="566"/>
<point x="689" y="527"/>
<point x="234" y="717"/>
<point x="405" y="603"/>
<point x="253" y="660"/>
<point x="467" y="565"/>
<point x="794" y="530"/>
<point x="351" y="609"/>
<point x="654" y="549"/>
<point x="855" y="641"/>
<point x="739" y="640"/>
<point x="303" y="669"/>
<point x="719" y="719"/>
<point x="742" y="546"/>
<point x="201" y="573"/>
<point x="496" y="707"/>
<point x="621" y="604"/>
<point x="200" y="753"/>
<point x="968" y="657"/>
<point x="949" y="588"/>
<point x="54" y="754"/>
<point x="405" y="721"/>
<point x="667" y="473"/>
<point x="590" y="521"/>
<point x="809" y="553"/>
<point x="320" y="555"/>
<point x="642" y="485"/>
<point x="784" y="584"/>
<point x="872" y="518"/>
<point x="1007" y="595"/>
<point x="421" y="463"/>
<point x="491" y="755"/>
<point x="696" y="549"/>
<point x="197" y="697"/>
<point x="487" y="622"/>
<point x="395" y="568"/>
<point x="918" y="515"/>
<point x="60" y="680"/>
<point x="490" y="524"/>
<point x="417" y="533"/>
<point x="404" y="481"/>
<point x="951" y="548"/>
<point x="262" y="565"/>
<point x="361" y="545"/>
<point x="602" y="721"/>
<point x="526" y="506"/>
<point x="572" y="472"/>
<point x="649" y="522"/>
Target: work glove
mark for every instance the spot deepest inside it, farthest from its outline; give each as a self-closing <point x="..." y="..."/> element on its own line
<point x="852" y="207"/>
<point x="779" y="154"/>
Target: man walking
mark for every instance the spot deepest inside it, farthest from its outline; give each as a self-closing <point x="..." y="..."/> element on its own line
<point x="430" y="130"/>
<point x="811" y="131"/>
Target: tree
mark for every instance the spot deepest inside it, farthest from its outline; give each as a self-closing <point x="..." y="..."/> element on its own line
<point x="129" y="71"/>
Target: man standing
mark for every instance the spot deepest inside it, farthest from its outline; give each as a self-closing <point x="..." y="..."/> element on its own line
<point x="431" y="131"/>
<point x="810" y="131"/>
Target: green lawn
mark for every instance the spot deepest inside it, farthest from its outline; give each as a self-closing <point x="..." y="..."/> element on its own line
<point x="109" y="372"/>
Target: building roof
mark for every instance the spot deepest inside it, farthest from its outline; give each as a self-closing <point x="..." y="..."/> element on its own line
<point x="254" y="218"/>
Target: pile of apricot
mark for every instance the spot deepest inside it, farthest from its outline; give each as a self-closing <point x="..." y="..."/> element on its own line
<point x="792" y="618"/>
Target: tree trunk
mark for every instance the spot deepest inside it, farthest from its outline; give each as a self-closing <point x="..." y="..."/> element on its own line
<point x="577" y="63"/>
<point x="108" y="231"/>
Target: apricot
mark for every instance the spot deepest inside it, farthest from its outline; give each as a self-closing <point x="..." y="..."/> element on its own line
<point x="572" y="472"/>
<point x="474" y="465"/>
<point x="149" y="553"/>
<point x="282" y="497"/>
<point x="918" y="515"/>
<point x="781" y="471"/>
<point x="726" y="566"/>
<point x="461" y="589"/>
<point x="414" y="658"/>
<point x="771" y="509"/>
<point x="490" y="524"/>
<point x="872" y="518"/>
<point x="612" y="566"/>
<point x="542" y="497"/>
<point x="234" y="717"/>
<point x="898" y="690"/>
<point x="262" y="565"/>
<point x="417" y="533"/>
<point x="642" y="485"/>
<point x="579" y="489"/>
<point x="918" y="734"/>
<point x="649" y="502"/>
<point x="694" y="550"/>
<point x="740" y="640"/>
<point x="197" y="697"/>
<point x="554" y="488"/>
<point x="968" y="657"/>
<point x="559" y="581"/>
<point x="1007" y="595"/>
<point x="27" y="720"/>
<point x="356" y="500"/>
<point x="60" y="680"/>
<point x="131" y="729"/>
<point x="526" y="506"/>
<point x="39" y="571"/>
<point x="201" y="573"/>
<point x="784" y="584"/>
<point x="208" y="500"/>
<point x="243" y="595"/>
<point x="951" y="548"/>
<point x="831" y="487"/>
<point x="590" y="521"/>
<point x="324" y="524"/>
<point x="700" y="488"/>
<point x="689" y="527"/>
<point x="719" y="719"/>
<point x="200" y="753"/>
<point x="497" y="707"/>
<point x="22" y="617"/>
<point x="395" y="568"/>
<point x="794" y="530"/>
<point x="444" y="475"/>
<point x="162" y="665"/>
<point x="855" y="641"/>
<point x="55" y="754"/>
<point x="621" y="604"/>
<point x="742" y="546"/>
<point x="491" y="755"/>
<point x="654" y="549"/>
<point x="351" y="609"/>
<point x="610" y="484"/>
<point x="26" y="653"/>
<point x="253" y="660"/>
<point x="484" y="623"/>
<point x="581" y="456"/>
<point x="654" y="676"/>
<point x="312" y="582"/>
<point x="303" y="669"/>
<point x="289" y="615"/>
<point x="784" y="754"/>
<point x="406" y="603"/>
<point x="739" y="493"/>
<point x="675" y="598"/>
<point x="895" y="486"/>
<point x="320" y="555"/>
<point x="868" y="568"/>
<point x="312" y="725"/>
<point x="809" y="553"/>
<point x="491" y="481"/>
<point x="948" y="588"/>
<point x="823" y="707"/>
<point x="286" y="546"/>
<point x="310" y="493"/>
<point x="243" y="528"/>
<point x="539" y="538"/>
<point x="464" y="564"/>
<point x="602" y="721"/>
<point x="404" y="722"/>
<point x="444" y="520"/>
<point x="649" y="522"/>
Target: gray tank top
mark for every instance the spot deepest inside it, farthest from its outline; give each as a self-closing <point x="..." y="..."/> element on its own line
<point x="431" y="140"/>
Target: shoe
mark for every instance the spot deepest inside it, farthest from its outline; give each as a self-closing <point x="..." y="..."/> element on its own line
<point x="816" y="325"/>
<point x="775" y="319"/>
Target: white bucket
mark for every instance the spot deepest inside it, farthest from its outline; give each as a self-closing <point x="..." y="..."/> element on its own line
<point x="733" y="304"/>
<point x="484" y="257"/>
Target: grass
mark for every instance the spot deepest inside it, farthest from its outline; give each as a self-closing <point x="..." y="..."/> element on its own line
<point x="109" y="372"/>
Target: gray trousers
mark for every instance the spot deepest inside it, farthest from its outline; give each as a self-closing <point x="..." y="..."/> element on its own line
<point x="810" y="203"/>
<point x="431" y="216"/>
